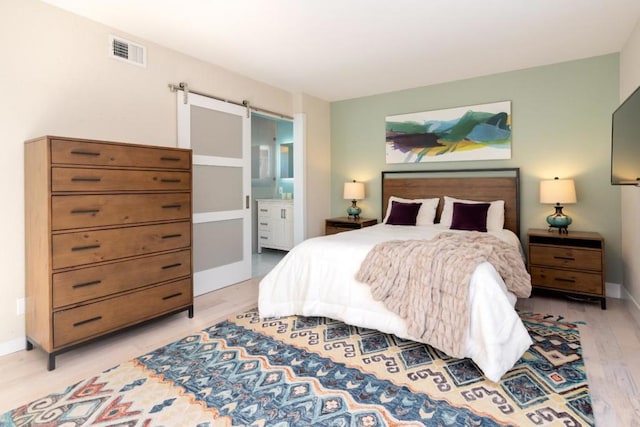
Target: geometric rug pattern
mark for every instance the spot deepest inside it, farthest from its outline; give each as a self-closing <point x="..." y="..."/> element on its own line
<point x="314" y="371"/>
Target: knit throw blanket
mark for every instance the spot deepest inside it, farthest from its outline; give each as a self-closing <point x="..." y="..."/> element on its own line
<point x="426" y="282"/>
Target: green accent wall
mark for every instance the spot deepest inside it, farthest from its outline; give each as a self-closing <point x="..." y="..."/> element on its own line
<point x="561" y="126"/>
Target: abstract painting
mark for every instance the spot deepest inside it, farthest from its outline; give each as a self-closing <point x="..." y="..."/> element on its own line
<point x="476" y="132"/>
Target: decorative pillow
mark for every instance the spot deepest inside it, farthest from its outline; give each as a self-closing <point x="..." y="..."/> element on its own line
<point x="495" y="214"/>
<point x="426" y="214"/>
<point x="470" y="216"/>
<point x="403" y="213"/>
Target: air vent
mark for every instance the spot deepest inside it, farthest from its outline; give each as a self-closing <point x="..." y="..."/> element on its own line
<point x="127" y="51"/>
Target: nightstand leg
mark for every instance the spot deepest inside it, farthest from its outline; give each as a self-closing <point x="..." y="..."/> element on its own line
<point x="603" y="303"/>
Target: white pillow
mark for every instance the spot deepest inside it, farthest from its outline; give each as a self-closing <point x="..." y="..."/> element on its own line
<point x="426" y="214"/>
<point x="495" y="213"/>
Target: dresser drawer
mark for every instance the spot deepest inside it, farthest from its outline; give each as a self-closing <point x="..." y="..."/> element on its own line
<point x="80" y="323"/>
<point x="565" y="280"/>
<point x="264" y="238"/>
<point x="99" y="210"/>
<point x="264" y="224"/>
<point x="105" y="154"/>
<point x="566" y="257"/>
<point x="97" y="180"/>
<point x="76" y="286"/>
<point x="79" y="248"/>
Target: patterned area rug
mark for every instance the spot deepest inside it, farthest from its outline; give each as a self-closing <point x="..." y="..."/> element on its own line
<point x="299" y="371"/>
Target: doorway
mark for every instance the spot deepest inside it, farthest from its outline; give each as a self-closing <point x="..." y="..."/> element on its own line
<point x="272" y="177"/>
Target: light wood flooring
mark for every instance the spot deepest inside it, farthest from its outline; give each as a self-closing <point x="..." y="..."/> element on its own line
<point x="610" y="341"/>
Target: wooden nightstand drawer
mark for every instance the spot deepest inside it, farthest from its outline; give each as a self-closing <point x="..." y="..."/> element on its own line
<point x="566" y="257"/>
<point x="567" y="280"/>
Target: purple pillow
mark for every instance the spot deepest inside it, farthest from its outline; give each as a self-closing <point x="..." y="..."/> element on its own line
<point x="470" y="216"/>
<point x="403" y="213"/>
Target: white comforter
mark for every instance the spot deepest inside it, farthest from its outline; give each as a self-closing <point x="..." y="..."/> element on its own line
<point x="316" y="278"/>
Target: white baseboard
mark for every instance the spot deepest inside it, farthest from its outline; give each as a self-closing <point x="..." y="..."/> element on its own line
<point x="632" y="305"/>
<point x="12" y="346"/>
<point x="613" y="290"/>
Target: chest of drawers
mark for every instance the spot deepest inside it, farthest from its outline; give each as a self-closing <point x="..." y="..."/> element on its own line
<point x="570" y="263"/>
<point x="108" y="238"/>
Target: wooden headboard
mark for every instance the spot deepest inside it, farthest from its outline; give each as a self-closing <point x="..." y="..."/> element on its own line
<point x="484" y="185"/>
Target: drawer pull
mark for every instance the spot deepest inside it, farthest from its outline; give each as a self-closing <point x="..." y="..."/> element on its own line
<point x="84" y="248"/>
<point x="560" y="279"/>
<point x="84" y="285"/>
<point x="170" y="159"/>
<point x="565" y="258"/>
<point x="84" y="322"/>
<point x="264" y="237"/>
<point x="85" y="179"/>
<point x="171" y="296"/>
<point x="85" y="153"/>
<point x="171" y="236"/>
<point x="177" y="264"/>
<point x="264" y="223"/>
<point x="85" y="211"/>
<point x="170" y="180"/>
<point x="176" y="206"/>
<point x="264" y="210"/>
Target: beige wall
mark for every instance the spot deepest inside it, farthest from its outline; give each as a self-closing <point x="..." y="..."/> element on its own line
<point x="630" y="196"/>
<point x="58" y="79"/>
<point x="317" y="164"/>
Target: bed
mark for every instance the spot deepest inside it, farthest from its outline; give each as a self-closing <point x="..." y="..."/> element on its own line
<point x="317" y="277"/>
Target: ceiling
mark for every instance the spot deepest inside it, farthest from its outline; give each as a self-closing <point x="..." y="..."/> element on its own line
<point x="341" y="49"/>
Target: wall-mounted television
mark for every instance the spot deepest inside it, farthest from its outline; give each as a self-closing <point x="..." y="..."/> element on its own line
<point x="625" y="142"/>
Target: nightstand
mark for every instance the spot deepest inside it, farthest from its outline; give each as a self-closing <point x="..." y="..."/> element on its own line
<point x="338" y="225"/>
<point x="570" y="263"/>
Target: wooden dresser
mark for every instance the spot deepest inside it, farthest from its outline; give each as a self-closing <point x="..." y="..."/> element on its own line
<point x="108" y="238"/>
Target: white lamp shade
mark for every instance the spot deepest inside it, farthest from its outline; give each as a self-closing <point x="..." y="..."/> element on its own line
<point x="557" y="191"/>
<point x="353" y="190"/>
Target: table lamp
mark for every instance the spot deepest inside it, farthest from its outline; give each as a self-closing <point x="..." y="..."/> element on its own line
<point x="558" y="191"/>
<point x="353" y="191"/>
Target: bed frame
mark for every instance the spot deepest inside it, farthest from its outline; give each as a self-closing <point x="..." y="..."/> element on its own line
<point x="471" y="184"/>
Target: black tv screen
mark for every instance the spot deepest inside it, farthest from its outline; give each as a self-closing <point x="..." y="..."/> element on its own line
<point x="625" y="142"/>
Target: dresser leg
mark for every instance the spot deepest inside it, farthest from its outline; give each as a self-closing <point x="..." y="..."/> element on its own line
<point x="603" y="303"/>
<point x="29" y="346"/>
<point x="190" y="313"/>
<point x="51" y="363"/>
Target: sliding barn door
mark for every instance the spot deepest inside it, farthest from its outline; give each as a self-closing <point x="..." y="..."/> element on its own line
<point x="219" y="134"/>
